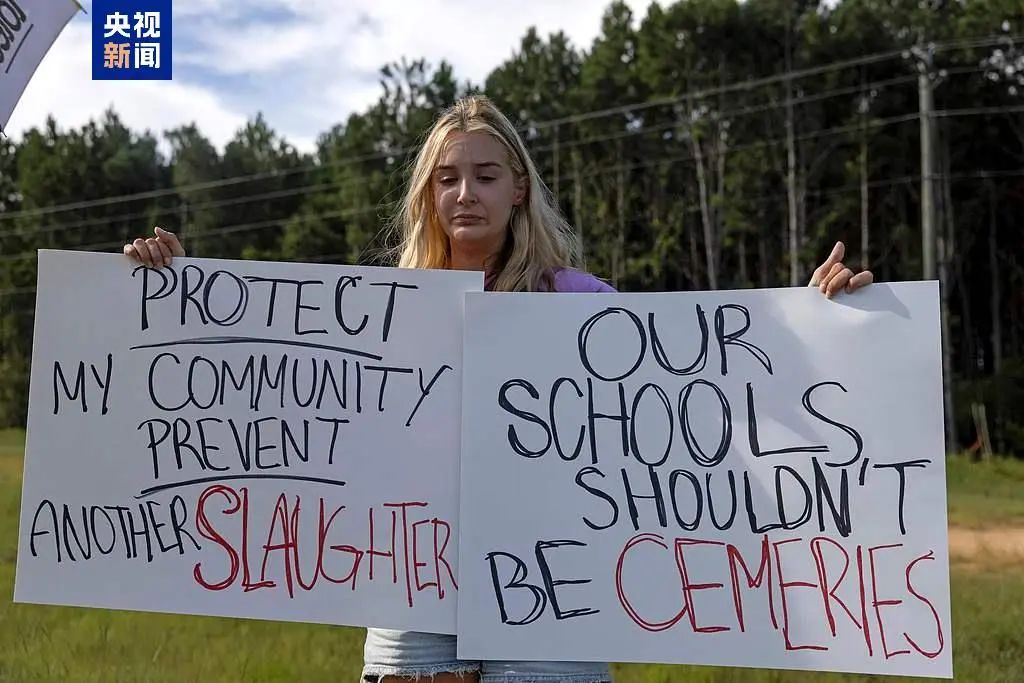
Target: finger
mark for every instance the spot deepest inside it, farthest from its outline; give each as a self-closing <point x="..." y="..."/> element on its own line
<point x="171" y="239"/>
<point x="142" y="251"/>
<point x="832" y="272"/>
<point x="165" y="252"/>
<point x="130" y="252"/>
<point x="837" y="283"/>
<point x="838" y="252"/>
<point x="154" y="253"/>
<point x="859" y="280"/>
<point x="818" y="273"/>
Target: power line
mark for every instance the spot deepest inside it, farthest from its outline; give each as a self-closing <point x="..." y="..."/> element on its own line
<point x="575" y="118"/>
<point x="690" y="208"/>
<point x="224" y="182"/>
<point x="729" y="114"/>
<point x="568" y="145"/>
<point x="975" y="111"/>
<point x="777" y="78"/>
<point x="226" y="230"/>
<point x="769" y="142"/>
<point x="278" y="222"/>
<point x="220" y="203"/>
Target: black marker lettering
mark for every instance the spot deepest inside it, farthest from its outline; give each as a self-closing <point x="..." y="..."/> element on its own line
<point x="513" y="436"/>
<point x="389" y="312"/>
<point x="600" y="494"/>
<point x="583" y="341"/>
<point x="734" y="338"/>
<point x="425" y="390"/>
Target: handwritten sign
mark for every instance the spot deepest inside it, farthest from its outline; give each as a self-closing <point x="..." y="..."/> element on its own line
<point x="735" y="478"/>
<point x="247" y="439"/>
<point x="27" y="29"/>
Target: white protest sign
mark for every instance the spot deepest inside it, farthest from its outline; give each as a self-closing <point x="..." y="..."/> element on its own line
<point x="27" y="30"/>
<point x="750" y="478"/>
<point x="247" y="439"/>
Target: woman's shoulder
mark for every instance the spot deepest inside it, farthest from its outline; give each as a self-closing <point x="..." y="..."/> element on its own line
<point x="572" y="280"/>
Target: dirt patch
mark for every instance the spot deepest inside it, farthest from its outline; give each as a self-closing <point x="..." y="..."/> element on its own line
<point x="987" y="547"/>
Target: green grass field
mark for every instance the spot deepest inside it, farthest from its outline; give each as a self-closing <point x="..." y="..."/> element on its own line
<point x="70" y="644"/>
<point x="985" y="495"/>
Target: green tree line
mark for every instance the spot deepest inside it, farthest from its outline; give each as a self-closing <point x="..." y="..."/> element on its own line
<point x="707" y="144"/>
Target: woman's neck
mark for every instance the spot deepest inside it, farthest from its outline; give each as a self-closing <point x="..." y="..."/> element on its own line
<point x="463" y="260"/>
<point x="470" y="258"/>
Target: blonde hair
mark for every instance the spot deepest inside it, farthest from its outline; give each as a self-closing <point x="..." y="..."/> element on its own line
<point x="540" y="241"/>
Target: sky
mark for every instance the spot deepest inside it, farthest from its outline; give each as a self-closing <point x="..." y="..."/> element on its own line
<point x="305" y="64"/>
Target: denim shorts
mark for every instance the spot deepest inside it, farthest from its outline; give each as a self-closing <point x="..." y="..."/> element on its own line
<point x="423" y="655"/>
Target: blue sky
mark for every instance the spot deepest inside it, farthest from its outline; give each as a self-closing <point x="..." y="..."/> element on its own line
<point x="306" y="64"/>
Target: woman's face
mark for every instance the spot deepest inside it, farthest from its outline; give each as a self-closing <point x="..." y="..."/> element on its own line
<point x="474" y="192"/>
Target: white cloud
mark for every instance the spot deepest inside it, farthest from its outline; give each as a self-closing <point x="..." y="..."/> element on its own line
<point x="366" y="34"/>
<point x="63" y="87"/>
<point x="255" y="49"/>
<point x="306" y="64"/>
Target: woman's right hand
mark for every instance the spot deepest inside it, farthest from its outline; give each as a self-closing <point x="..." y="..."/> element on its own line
<point x="155" y="252"/>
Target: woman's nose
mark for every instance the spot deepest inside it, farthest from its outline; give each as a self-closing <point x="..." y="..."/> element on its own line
<point x="467" y="194"/>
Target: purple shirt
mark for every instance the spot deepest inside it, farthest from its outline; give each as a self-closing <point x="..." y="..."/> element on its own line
<point x="570" y="280"/>
<point x="567" y="280"/>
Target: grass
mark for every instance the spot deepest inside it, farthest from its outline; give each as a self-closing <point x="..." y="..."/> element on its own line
<point x="985" y="494"/>
<point x="987" y="643"/>
<point x="39" y="643"/>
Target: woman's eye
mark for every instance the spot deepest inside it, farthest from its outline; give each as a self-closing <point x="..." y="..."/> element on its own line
<point x="486" y="178"/>
<point x="446" y="180"/>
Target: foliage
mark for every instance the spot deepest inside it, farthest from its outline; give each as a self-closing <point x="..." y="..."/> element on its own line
<point x="708" y="143"/>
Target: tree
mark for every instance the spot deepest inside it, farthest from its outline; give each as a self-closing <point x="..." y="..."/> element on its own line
<point x="195" y="167"/>
<point x="718" y="143"/>
<point x="539" y="85"/>
<point x="609" y="74"/>
<point x="277" y="176"/>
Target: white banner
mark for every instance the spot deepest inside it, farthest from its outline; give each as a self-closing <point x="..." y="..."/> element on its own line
<point x="27" y="30"/>
<point x="247" y="439"/>
<point x="749" y="478"/>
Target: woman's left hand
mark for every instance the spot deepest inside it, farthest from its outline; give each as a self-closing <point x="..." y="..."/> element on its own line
<point x="832" y="276"/>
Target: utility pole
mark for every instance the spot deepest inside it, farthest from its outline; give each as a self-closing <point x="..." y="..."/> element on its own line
<point x="932" y="244"/>
<point x="926" y="107"/>
<point x="863" y="162"/>
<point x="794" y="228"/>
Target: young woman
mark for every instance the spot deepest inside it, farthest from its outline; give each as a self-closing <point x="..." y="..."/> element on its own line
<point x="476" y="202"/>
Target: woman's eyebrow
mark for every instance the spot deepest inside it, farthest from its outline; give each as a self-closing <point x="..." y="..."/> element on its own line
<point x="484" y="164"/>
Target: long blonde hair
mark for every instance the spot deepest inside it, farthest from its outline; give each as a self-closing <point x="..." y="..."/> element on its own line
<point x="540" y="241"/>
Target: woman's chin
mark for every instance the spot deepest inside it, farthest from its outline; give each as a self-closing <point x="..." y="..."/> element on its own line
<point x="473" y="236"/>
